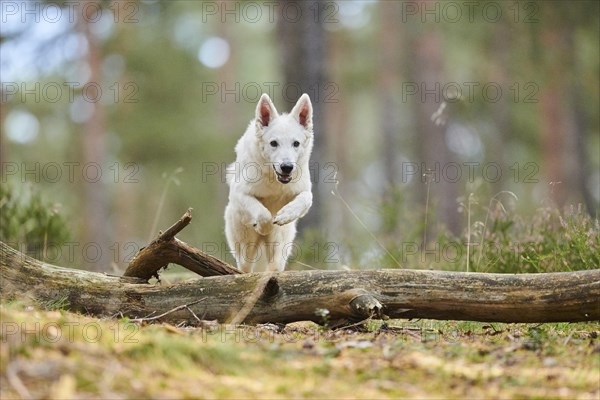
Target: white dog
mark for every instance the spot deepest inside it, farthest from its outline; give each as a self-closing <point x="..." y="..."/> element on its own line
<point x="269" y="185"/>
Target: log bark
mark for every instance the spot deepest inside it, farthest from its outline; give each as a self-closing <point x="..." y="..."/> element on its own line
<point x="299" y="295"/>
<point x="168" y="249"/>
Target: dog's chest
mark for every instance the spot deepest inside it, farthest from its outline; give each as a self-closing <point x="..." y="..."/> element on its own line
<point x="274" y="201"/>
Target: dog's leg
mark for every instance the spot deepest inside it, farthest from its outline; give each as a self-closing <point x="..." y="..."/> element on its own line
<point x="249" y="252"/>
<point x="271" y="249"/>
<point x="245" y="244"/>
<point x="295" y="209"/>
<point x="242" y="238"/>
<point x="247" y="222"/>
<point x="279" y="246"/>
<point x="255" y="214"/>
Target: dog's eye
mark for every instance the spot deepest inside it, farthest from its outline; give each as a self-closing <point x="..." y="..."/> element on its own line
<point x="296" y="143"/>
<point x="274" y="143"/>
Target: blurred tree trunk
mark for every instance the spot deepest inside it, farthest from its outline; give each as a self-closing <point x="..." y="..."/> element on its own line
<point x="565" y="162"/>
<point x="427" y="69"/>
<point x="390" y="39"/>
<point x="227" y="75"/>
<point x="96" y="202"/>
<point x="336" y="125"/>
<point x="302" y="43"/>
<point x="2" y="118"/>
<point x="556" y="134"/>
<point x="501" y="116"/>
<point x="2" y="130"/>
<point x="579" y="162"/>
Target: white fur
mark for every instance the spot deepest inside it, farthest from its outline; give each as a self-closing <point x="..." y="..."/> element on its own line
<point x="261" y="217"/>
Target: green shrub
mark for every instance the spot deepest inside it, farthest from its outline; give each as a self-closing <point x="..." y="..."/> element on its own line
<point x="28" y="222"/>
<point x="497" y="239"/>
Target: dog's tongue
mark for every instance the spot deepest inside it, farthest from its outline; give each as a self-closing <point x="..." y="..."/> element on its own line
<point x="281" y="177"/>
<point x="284" y="178"/>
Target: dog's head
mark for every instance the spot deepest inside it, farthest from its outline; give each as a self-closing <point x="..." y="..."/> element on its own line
<point x="286" y="139"/>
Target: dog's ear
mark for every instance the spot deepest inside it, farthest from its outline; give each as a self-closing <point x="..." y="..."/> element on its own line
<point x="265" y="112"/>
<point x="303" y="112"/>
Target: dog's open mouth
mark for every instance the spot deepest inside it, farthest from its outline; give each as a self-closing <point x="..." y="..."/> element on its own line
<point x="283" y="178"/>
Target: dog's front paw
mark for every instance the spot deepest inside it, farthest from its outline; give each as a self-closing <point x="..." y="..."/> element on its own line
<point x="285" y="216"/>
<point x="263" y="225"/>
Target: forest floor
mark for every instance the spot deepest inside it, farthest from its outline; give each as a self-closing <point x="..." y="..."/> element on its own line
<point x="58" y="354"/>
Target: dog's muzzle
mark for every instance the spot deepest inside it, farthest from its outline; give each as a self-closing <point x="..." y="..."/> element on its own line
<point x="285" y="176"/>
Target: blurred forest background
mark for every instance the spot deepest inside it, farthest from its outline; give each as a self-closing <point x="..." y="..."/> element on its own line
<point x="124" y="113"/>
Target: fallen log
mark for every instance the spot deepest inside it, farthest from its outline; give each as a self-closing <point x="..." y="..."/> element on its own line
<point x="284" y="297"/>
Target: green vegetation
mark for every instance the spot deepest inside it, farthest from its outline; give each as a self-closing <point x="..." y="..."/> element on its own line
<point x="497" y="240"/>
<point x="29" y="222"/>
<point x="545" y="241"/>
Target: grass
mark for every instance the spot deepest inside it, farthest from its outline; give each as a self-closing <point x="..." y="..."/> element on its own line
<point x="57" y="354"/>
<point x="496" y="240"/>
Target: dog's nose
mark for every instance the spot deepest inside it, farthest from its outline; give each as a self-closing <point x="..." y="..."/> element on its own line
<point x="286" y="167"/>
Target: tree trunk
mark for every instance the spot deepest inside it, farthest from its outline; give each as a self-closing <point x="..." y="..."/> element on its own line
<point x="578" y="160"/>
<point x="336" y="124"/>
<point x="427" y="70"/>
<point x="500" y="73"/>
<point x="96" y="195"/>
<point x="302" y="43"/>
<point x="388" y="82"/>
<point x="299" y="295"/>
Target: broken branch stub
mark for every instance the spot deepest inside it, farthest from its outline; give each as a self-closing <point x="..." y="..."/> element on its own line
<point x="166" y="249"/>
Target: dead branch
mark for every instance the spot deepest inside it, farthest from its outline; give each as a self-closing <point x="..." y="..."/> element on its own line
<point x="181" y="307"/>
<point x="166" y="248"/>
